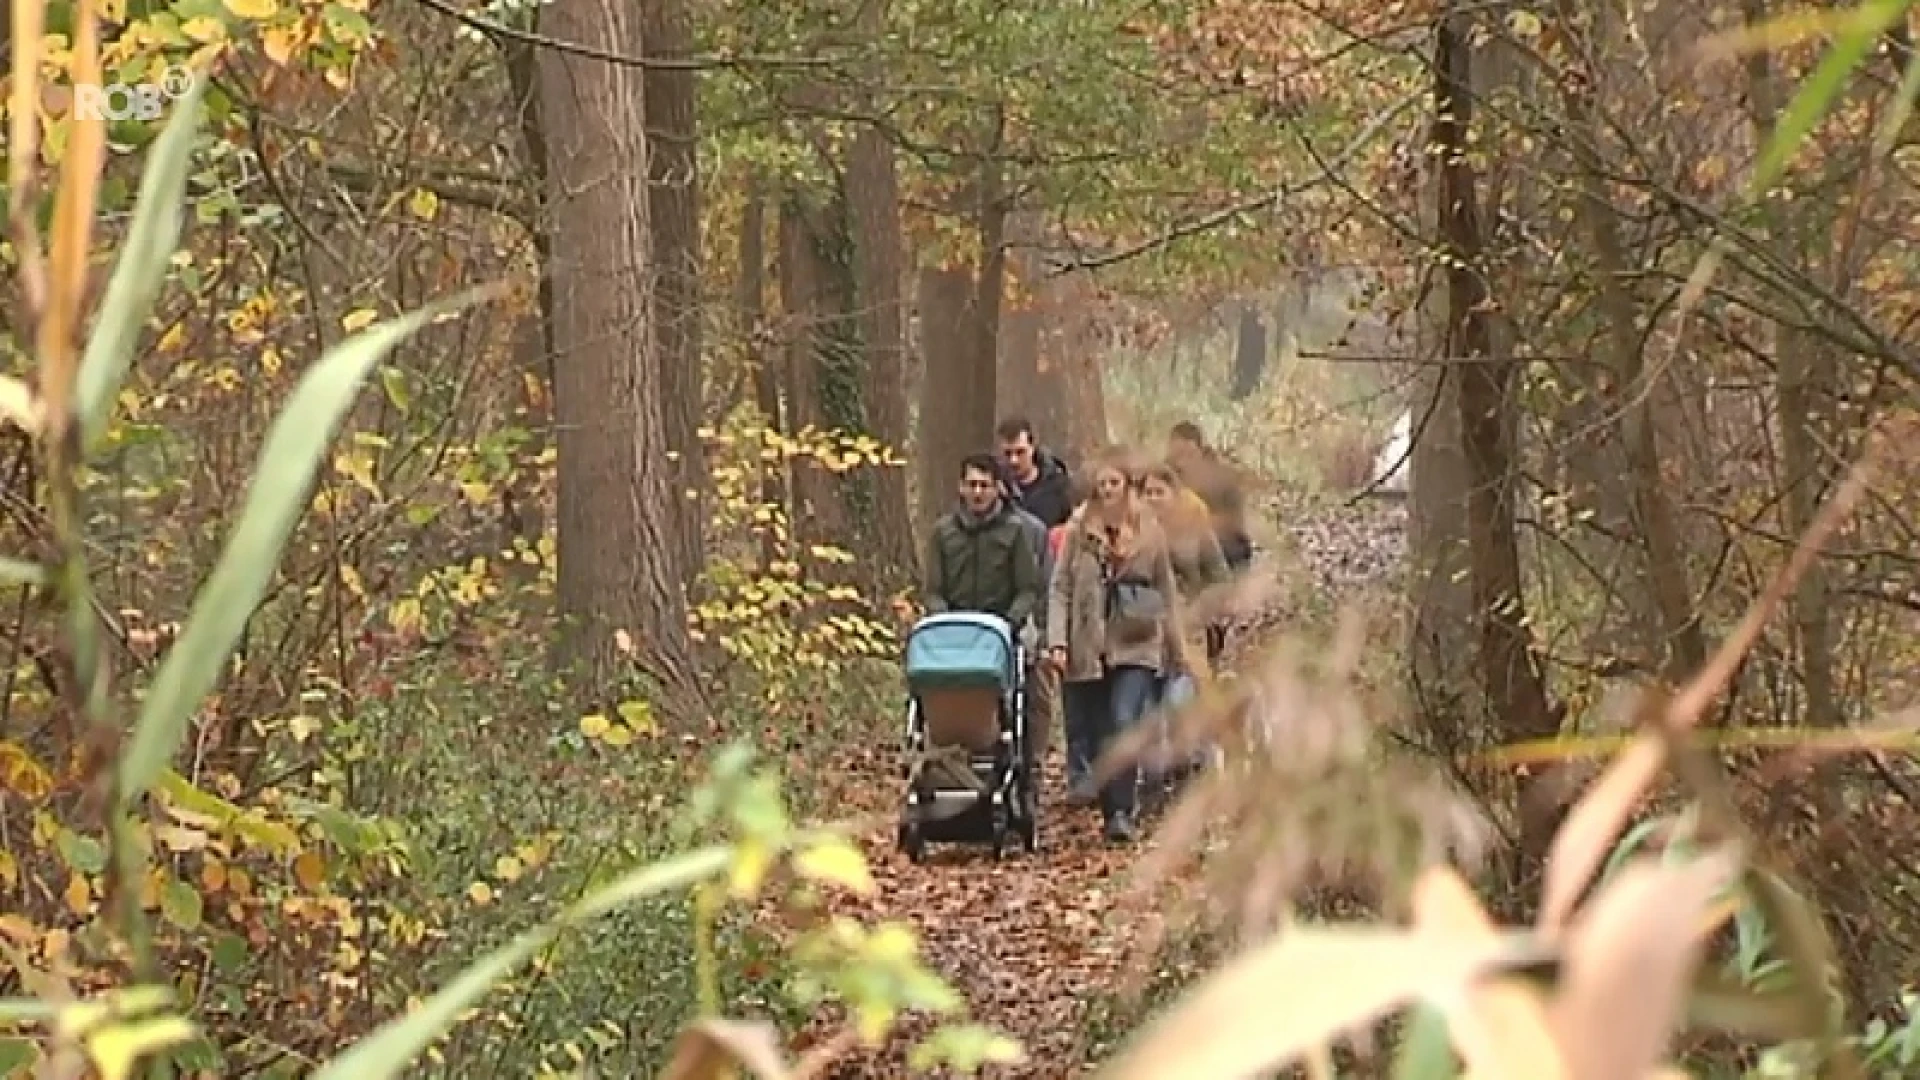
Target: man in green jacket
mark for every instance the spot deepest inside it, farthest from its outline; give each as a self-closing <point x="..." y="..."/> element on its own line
<point x="980" y="556"/>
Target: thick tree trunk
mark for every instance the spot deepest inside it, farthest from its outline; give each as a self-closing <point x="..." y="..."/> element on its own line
<point x="946" y="425"/>
<point x="989" y="290"/>
<point x="620" y="568"/>
<point x="819" y="512"/>
<point x="1510" y="672"/>
<point x="873" y="197"/>
<point x="673" y="195"/>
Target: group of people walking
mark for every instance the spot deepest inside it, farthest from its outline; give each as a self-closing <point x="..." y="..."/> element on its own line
<point x="1103" y="576"/>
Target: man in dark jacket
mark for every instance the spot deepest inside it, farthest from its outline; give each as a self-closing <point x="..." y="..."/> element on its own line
<point x="1045" y="487"/>
<point x="980" y="556"/>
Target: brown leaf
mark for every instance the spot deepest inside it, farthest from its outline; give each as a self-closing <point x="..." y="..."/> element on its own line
<point x="1500" y="1028"/>
<point x="711" y="1049"/>
<point x="1628" y="963"/>
<point x="1594" y="826"/>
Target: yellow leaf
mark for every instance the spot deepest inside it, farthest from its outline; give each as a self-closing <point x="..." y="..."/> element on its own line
<point x="203" y="29"/>
<point x="638" y="715"/>
<point x="279" y="44"/>
<point x="476" y="492"/>
<point x="357" y="320"/>
<point x="9" y="872"/>
<point x="480" y="893"/>
<point x="751" y="861"/>
<point x="302" y="727"/>
<point x="79" y="895"/>
<point x="507" y="868"/>
<point x="255" y="10"/>
<point x="336" y="77"/>
<point x="179" y="838"/>
<point x="594" y="725"/>
<point x="310" y="870"/>
<point x="405" y="616"/>
<point x="116" y="1048"/>
<point x="351" y="579"/>
<point x="270" y="360"/>
<point x="424" y="204"/>
<point x="836" y="862"/>
<point x="618" y="735"/>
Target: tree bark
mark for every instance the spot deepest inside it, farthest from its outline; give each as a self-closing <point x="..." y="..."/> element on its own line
<point x="1249" y="355"/>
<point x="1653" y="520"/>
<point x="620" y="568"/>
<point x="873" y="197"/>
<point x="989" y="290"/>
<point x="751" y="304"/>
<point x="946" y="425"/>
<point x="673" y="196"/>
<point x="1510" y="672"/>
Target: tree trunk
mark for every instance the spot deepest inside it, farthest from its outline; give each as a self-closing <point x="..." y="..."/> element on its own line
<point x="823" y="378"/>
<point x="1653" y="521"/>
<point x="989" y="289"/>
<point x="1249" y="355"/>
<point x="752" y="307"/>
<point x="873" y="197"/>
<point x="620" y="568"/>
<point x="522" y="510"/>
<point x="1510" y="672"/>
<point x="1803" y="362"/>
<point x="673" y="196"/>
<point x="946" y="425"/>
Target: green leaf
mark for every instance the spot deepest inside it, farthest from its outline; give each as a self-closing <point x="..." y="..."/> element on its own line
<point x="1817" y="94"/>
<point x="392" y="1047"/>
<point x="142" y="268"/>
<point x="182" y="905"/>
<point x="1426" y="1050"/>
<point x="19" y="572"/>
<point x="282" y="483"/>
<point x="82" y="853"/>
<point x="16" y="1054"/>
<point x="1277" y="1003"/>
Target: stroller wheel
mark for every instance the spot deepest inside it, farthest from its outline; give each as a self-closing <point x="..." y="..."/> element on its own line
<point x="1030" y="834"/>
<point x="1001" y="826"/>
<point x="913" y="843"/>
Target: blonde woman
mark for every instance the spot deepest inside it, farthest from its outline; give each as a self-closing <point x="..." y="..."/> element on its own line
<point x="1110" y="616"/>
<point x="1199" y="569"/>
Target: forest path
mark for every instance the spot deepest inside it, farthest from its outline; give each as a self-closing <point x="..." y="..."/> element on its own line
<point x="1033" y="940"/>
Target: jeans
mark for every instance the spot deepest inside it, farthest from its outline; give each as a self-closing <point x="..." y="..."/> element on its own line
<point x="1103" y="711"/>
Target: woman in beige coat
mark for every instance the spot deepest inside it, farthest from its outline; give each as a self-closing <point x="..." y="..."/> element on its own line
<point x="1110" y="618"/>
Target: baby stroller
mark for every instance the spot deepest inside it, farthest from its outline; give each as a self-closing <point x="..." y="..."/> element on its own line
<point x="970" y="775"/>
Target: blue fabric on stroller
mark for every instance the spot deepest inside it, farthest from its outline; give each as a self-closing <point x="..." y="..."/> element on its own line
<point x="971" y="778"/>
<point x="962" y="649"/>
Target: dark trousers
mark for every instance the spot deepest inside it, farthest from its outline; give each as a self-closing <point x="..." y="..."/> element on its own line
<point x="1104" y="710"/>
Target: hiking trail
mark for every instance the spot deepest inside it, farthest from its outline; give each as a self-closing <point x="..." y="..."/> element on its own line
<point x="1033" y="941"/>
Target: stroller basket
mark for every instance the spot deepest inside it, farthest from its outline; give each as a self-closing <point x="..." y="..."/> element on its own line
<point x="962" y="650"/>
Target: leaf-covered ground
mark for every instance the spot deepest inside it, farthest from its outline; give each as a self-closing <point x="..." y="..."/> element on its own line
<point x="1034" y="942"/>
